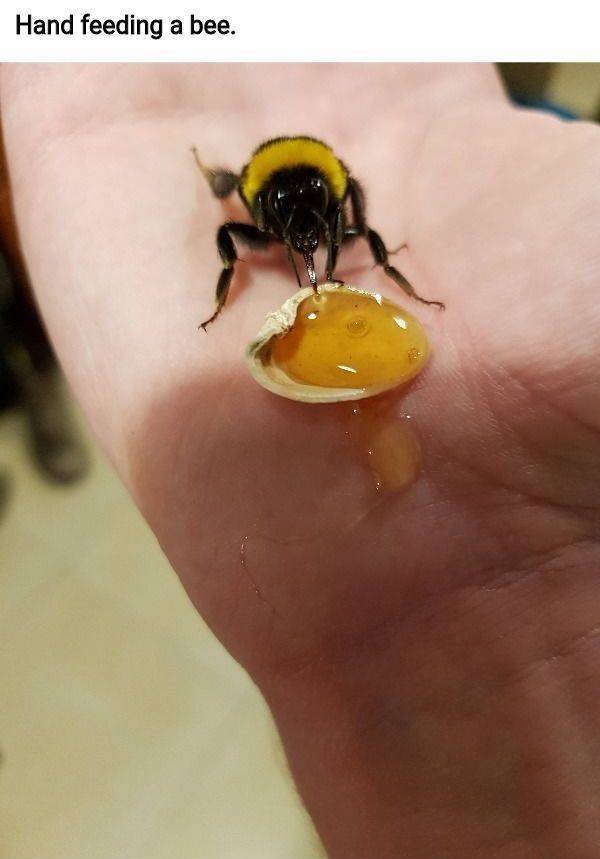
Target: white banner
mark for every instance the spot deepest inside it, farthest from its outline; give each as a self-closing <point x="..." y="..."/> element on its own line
<point x="276" y="30"/>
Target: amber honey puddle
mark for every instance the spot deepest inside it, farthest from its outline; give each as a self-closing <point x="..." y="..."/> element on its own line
<point x="353" y="340"/>
<point x="347" y="339"/>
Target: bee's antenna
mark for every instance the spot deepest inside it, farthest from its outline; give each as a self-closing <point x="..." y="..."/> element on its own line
<point x="290" y="253"/>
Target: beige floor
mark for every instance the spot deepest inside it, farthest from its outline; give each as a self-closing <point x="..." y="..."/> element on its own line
<point x="126" y="731"/>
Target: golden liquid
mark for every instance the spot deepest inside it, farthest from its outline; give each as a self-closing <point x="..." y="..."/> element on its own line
<point x="344" y="339"/>
<point x="389" y="443"/>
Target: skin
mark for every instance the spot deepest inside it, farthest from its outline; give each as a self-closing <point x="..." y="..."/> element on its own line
<point x="431" y="658"/>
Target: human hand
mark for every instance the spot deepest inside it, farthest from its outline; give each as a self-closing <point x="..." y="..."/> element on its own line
<point x="428" y="657"/>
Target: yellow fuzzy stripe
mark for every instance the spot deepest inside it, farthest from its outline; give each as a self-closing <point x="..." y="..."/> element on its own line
<point x="292" y="152"/>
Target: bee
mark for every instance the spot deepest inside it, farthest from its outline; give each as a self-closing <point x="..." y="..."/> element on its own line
<point x="298" y="193"/>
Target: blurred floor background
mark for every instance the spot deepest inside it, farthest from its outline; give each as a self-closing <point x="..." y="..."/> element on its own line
<point x="569" y="88"/>
<point x="126" y="731"/>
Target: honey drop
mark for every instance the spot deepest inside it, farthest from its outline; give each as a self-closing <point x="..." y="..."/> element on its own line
<point x="349" y="339"/>
<point x="389" y="444"/>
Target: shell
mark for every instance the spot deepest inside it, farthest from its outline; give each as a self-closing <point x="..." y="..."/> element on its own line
<point x="276" y="380"/>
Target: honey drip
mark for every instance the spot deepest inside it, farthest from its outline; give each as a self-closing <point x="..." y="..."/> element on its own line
<point x="389" y="444"/>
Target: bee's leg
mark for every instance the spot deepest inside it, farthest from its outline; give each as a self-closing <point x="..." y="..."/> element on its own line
<point x="292" y="261"/>
<point x="380" y="255"/>
<point x="357" y="206"/>
<point x="376" y="245"/>
<point x="221" y="182"/>
<point x="335" y="237"/>
<point x="250" y="236"/>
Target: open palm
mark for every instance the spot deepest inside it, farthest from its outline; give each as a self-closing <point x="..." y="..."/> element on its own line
<point x="410" y="646"/>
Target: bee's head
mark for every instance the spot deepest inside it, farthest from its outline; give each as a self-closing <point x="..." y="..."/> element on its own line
<point x="298" y="201"/>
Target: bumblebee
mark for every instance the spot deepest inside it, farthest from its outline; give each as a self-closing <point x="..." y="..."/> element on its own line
<point x="297" y="192"/>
